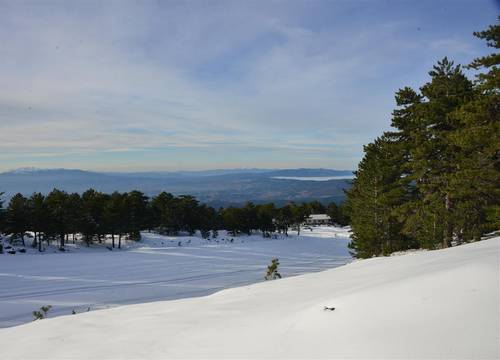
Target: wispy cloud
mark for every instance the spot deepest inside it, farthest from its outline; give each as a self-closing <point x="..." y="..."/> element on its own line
<point x="308" y="81"/>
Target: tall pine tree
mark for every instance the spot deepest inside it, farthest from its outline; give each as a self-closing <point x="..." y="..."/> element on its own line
<point x="373" y="199"/>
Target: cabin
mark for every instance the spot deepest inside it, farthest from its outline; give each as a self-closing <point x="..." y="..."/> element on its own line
<point x="318" y="219"/>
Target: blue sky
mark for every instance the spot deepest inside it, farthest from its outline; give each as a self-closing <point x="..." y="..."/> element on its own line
<point x="166" y="85"/>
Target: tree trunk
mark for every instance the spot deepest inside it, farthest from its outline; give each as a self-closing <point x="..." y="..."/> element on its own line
<point x="119" y="241"/>
<point x="39" y="244"/>
<point x="113" y="239"/>
<point x="434" y="231"/>
<point x="448" y="228"/>
<point x="388" y="244"/>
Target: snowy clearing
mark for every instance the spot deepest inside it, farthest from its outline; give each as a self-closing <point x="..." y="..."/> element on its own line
<point x="156" y="268"/>
<point x="435" y="304"/>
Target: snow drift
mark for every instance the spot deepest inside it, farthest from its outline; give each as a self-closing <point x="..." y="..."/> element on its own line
<point x="436" y="304"/>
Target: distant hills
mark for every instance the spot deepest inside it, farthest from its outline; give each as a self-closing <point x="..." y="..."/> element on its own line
<point x="215" y="187"/>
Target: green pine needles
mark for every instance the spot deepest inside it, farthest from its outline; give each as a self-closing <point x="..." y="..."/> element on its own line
<point x="272" y="270"/>
<point x="434" y="181"/>
<point x="42" y="313"/>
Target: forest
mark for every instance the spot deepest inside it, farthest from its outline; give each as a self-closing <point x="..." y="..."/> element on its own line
<point x="431" y="182"/>
<point x="434" y="180"/>
<point x="94" y="214"/>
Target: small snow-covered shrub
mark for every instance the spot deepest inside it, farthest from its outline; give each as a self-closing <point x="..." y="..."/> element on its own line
<point x="42" y="313"/>
<point x="272" y="270"/>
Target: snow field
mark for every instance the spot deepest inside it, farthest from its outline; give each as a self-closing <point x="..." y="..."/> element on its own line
<point x="425" y="305"/>
<point x="156" y="268"/>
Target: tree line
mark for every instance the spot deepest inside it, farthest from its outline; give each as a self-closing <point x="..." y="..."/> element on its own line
<point x="94" y="215"/>
<point x="434" y="180"/>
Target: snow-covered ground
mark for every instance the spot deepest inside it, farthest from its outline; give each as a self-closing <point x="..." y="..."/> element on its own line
<point x="434" y="304"/>
<point x="156" y="268"/>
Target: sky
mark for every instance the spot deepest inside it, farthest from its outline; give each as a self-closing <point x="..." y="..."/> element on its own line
<point x="184" y="85"/>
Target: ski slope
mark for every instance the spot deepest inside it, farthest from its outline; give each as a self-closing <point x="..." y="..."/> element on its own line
<point x="423" y="305"/>
<point x="156" y="268"/>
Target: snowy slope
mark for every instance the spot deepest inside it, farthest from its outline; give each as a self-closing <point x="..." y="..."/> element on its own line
<point x="439" y="304"/>
<point x="156" y="268"/>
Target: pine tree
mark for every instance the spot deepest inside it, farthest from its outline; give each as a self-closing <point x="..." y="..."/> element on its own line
<point x="187" y="211"/>
<point x="344" y="217"/>
<point x="74" y="212"/>
<point x="38" y="218"/>
<point x="272" y="270"/>
<point x="425" y="125"/>
<point x="57" y="205"/>
<point x="442" y="182"/>
<point x="163" y="213"/>
<point x="248" y="218"/>
<point x="489" y="82"/>
<point x="301" y="212"/>
<point x="2" y="214"/>
<point x="207" y="217"/>
<point x="373" y="199"/>
<point x="113" y="214"/>
<point x="478" y="179"/>
<point x="315" y="207"/>
<point x="232" y="220"/>
<point x="17" y="217"/>
<point x="265" y="218"/>
<point x="333" y="211"/>
<point x="91" y="214"/>
<point x="42" y="313"/>
<point x="284" y="218"/>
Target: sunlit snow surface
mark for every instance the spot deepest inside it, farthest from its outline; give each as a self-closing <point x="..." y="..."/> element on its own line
<point x="441" y="304"/>
<point x="156" y="268"/>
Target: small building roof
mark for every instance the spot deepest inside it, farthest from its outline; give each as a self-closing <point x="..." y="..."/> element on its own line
<point x="319" y="217"/>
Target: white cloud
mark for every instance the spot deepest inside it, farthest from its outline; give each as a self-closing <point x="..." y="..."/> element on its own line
<point x="96" y="77"/>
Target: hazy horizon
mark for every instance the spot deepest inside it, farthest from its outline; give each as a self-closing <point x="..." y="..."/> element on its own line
<point x="34" y="168"/>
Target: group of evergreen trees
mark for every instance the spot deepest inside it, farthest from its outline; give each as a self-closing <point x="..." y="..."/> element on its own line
<point x="435" y="178"/>
<point x="94" y="215"/>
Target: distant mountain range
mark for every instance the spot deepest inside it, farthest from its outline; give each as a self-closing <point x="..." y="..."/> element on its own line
<point x="215" y="187"/>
